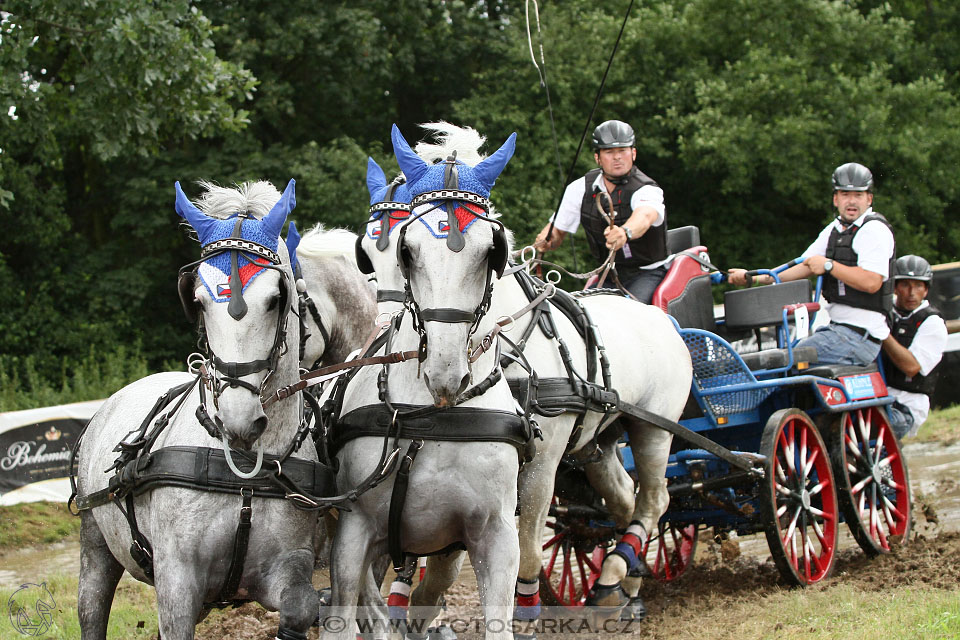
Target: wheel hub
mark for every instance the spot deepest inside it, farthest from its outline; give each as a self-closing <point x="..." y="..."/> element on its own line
<point x="805" y="499"/>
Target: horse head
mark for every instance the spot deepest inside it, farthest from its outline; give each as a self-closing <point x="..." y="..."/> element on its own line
<point x="376" y="247"/>
<point x="449" y="282"/>
<point x="241" y="290"/>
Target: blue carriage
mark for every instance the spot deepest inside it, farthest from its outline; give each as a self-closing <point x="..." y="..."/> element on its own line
<point x="768" y="443"/>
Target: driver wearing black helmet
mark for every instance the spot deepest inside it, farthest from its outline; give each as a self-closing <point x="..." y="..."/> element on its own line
<point x="639" y="230"/>
<point x="912" y="352"/>
<point x="854" y="254"/>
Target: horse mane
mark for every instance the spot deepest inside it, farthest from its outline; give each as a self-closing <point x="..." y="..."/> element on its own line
<point x="255" y="197"/>
<point x="320" y="242"/>
<point x="466" y="141"/>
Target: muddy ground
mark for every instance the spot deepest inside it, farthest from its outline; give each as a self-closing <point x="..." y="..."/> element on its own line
<point x="718" y="581"/>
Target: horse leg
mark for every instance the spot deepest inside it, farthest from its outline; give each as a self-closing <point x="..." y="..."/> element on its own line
<point x="426" y="600"/>
<point x="651" y="450"/>
<point x="535" y="490"/>
<point x="349" y="565"/>
<point x="608" y="477"/>
<point x="180" y="588"/>
<point x="290" y="578"/>
<point x="372" y="608"/>
<point x="99" y="574"/>
<point x="495" y="556"/>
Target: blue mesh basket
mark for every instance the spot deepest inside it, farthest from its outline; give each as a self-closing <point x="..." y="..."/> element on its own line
<point x="717" y="365"/>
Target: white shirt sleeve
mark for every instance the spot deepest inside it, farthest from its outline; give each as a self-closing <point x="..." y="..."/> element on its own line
<point x="874" y="246"/>
<point x="567" y="217"/>
<point x="651" y="196"/>
<point x="928" y="345"/>
<point x="819" y="246"/>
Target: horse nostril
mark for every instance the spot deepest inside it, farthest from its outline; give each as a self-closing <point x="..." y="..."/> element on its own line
<point x="463" y="384"/>
<point x="259" y="426"/>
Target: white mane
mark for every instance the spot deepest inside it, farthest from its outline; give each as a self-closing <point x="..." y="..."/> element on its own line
<point x="256" y="198"/>
<point x="449" y="138"/>
<point x="319" y="242"/>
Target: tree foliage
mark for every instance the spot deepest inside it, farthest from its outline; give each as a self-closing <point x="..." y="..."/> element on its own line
<point x="742" y="110"/>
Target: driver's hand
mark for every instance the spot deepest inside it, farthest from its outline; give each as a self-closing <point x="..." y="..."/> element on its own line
<point x="542" y="244"/>
<point x="737" y="277"/>
<point x="615" y="237"/>
<point x="815" y="264"/>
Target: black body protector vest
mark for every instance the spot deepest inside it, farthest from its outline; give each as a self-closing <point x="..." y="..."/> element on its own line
<point x="904" y="330"/>
<point x="649" y="248"/>
<point x="840" y="249"/>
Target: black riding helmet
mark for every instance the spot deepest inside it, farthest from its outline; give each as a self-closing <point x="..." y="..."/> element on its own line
<point x="613" y="134"/>
<point x="912" y="268"/>
<point x="852" y="177"/>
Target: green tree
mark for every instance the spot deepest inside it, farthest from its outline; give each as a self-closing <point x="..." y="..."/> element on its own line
<point x="88" y="90"/>
<point x="741" y="119"/>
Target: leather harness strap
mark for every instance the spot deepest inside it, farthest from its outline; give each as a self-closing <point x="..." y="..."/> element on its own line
<point x="398" y="499"/>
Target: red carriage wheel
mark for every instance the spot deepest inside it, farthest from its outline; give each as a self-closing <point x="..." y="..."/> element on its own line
<point x="872" y="480"/>
<point x="668" y="554"/>
<point x="798" y="498"/>
<point x="571" y="564"/>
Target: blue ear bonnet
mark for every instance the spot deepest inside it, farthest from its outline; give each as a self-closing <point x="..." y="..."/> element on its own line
<point x="400" y="194"/>
<point x="292" y="242"/>
<point x="433" y="180"/>
<point x="215" y="271"/>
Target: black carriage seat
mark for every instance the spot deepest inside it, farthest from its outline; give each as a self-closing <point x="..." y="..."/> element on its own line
<point x="760" y="307"/>
<point x="835" y="371"/>
<point x="685" y="292"/>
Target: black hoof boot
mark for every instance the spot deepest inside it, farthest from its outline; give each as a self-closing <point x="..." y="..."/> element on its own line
<point x="635" y="610"/>
<point x="606" y="601"/>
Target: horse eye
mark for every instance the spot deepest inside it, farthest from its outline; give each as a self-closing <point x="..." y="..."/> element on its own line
<point x="274" y="301"/>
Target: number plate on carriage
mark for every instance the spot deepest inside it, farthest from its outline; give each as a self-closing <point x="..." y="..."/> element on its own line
<point x="865" y="385"/>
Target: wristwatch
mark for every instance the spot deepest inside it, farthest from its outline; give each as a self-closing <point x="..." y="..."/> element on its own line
<point x="627" y="231"/>
<point x="828" y="266"/>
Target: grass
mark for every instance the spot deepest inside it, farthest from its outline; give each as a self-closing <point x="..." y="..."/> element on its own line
<point x="133" y="614"/>
<point x="835" y="612"/>
<point x="943" y="425"/>
<point x="33" y="523"/>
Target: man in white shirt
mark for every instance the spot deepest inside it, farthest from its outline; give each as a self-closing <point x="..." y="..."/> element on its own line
<point x="854" y="254"/>
<point x="918" y="336"/>
<point x="638" y="232"/>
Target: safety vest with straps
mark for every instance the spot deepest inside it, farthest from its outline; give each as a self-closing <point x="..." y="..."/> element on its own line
<point x="840" y="249"/>
<point x="904" y="330"/>
<point x="649" y="248"/>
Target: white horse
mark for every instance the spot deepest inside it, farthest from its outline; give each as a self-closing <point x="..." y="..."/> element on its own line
<point x="650" y="368"/>
<point x="242" y="290"/>
<point x="340" y="304"/>
<point x="461" y="489"/>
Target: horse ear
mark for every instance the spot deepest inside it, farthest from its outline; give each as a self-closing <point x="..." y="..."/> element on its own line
<point x="376" y="180"/>
<point x="413" y="166"/>
<point x="200" y="222"/>
<point x="489" y="169"/>
<point x="292" y="242"/>
<point x="273" y="221"/>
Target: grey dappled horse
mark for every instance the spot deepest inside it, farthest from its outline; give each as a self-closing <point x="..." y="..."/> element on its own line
<point x="650" y="367"/>
<point x="459" y="492"/>
<point x="341" y="305"/>
<point x="246" y="312"/>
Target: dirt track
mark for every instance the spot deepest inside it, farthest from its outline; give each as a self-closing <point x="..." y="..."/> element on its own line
<point x="718" y="582"/>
